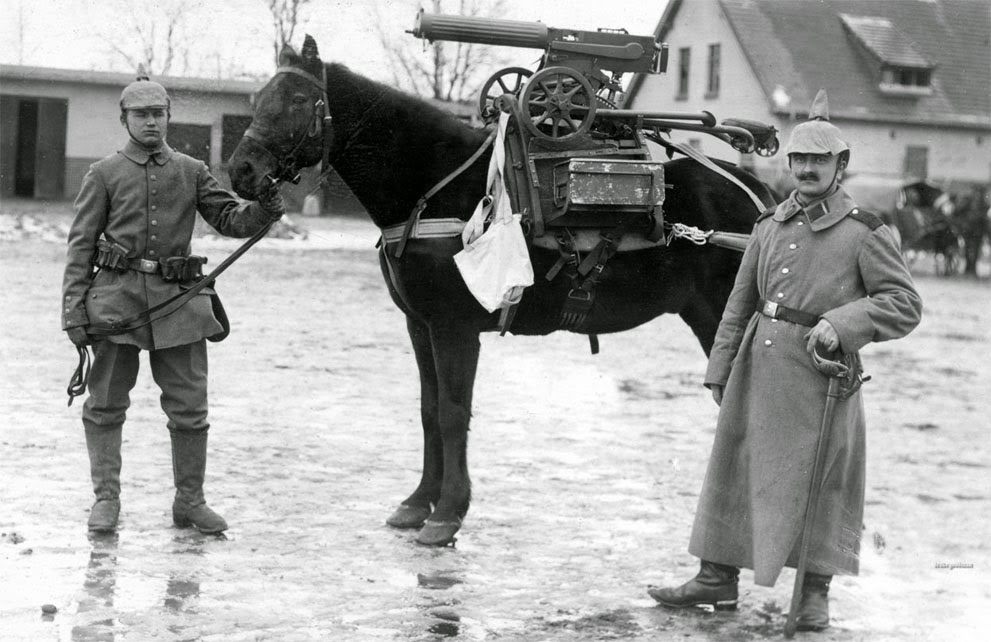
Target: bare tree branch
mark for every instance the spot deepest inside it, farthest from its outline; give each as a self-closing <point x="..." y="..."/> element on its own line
<point x="450" y="71"/>
<point x="286" y="16"/>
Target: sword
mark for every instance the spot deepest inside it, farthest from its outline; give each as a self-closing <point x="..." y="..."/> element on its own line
<point x="836" y="371"/>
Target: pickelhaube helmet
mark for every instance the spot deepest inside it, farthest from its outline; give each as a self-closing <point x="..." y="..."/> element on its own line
<point x="144" y="94"/>
<point x="817" y="135"/>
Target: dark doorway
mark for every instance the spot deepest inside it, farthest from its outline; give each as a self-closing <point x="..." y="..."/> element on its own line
<point x="32" y="146"/>
<point x="27" y="138"/>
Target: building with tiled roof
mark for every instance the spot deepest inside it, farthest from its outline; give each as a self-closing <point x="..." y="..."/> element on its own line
<point x="54" y="123"/>
<point x="909" y="81"/>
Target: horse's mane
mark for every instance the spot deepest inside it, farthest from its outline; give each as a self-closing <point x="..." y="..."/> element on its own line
<point x="401" y="107"/>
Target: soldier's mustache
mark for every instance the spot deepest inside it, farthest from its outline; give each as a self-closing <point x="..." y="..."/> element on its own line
<point x="808" y="176"/>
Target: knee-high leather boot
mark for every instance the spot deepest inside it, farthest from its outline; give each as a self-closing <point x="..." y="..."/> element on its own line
<point x="813" y="610"/>
<point x="189" y="468"/>
<point x="103" y="445"/>
<point x="715" y="585"/>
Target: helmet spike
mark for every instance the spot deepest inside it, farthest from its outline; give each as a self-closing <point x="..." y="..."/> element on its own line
<point x="820" y="106"/>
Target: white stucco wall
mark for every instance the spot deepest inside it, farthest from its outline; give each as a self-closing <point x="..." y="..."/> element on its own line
<point x="959" y="154"/>
<point x="698" y="24"/>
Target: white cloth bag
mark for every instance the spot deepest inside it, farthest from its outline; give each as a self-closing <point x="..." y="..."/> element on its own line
<point x="495" y="263"/>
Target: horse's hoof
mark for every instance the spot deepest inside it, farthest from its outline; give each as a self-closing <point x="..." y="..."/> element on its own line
<point x="407" y="516"/>
<point x="436" y="533"/>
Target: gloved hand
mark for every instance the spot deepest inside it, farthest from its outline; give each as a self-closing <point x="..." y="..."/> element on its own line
<point x="717" y="394"/>
<point x="270" y="200"/>
<point x="78" y="336"/>
<point x="822" y="334"/>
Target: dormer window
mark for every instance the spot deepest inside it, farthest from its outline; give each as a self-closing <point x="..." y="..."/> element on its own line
<point x="906" y="80"/>
<point x="898" y="66"/>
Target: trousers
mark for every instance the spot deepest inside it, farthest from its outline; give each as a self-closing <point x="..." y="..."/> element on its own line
<point x="180" y="373"/>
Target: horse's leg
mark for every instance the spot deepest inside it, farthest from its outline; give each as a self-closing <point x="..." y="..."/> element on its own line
<point x="455" y="349"/>
<point x="416" y="508"/>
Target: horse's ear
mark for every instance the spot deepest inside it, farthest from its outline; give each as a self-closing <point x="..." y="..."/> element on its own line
<point x="310" y="54"/>
<point x="287" y="55"/>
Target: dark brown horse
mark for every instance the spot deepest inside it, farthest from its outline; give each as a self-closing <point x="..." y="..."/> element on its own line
<point x="391" y="148"/>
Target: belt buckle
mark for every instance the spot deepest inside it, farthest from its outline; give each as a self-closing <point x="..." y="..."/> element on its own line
<point x="771" y="309"/>
<point x="149" y="266"/>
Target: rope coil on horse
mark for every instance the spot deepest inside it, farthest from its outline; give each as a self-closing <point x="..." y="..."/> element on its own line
<point x="687" y="232"/>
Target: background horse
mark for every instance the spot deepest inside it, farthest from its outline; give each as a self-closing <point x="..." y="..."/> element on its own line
<point x="391" y="148"/>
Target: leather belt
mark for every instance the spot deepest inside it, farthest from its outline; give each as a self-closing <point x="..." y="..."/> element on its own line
<point x="143" y="265"/>
<point x="778" y="311"/>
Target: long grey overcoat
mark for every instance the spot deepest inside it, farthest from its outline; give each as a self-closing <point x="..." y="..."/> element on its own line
<point x="148" y="205"/>
<point x="842" y="265"/>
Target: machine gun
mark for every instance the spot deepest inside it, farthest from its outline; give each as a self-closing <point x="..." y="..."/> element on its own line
<point x="577" y="87"/>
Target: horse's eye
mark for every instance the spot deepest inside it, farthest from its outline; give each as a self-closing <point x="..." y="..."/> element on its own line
<point x="299" y="99"/>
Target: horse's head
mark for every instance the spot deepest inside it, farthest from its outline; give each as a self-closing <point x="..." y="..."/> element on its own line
<point x="290" y="127"/>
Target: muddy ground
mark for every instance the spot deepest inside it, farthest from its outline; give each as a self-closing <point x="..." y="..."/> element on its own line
<point x="586" y="471"/>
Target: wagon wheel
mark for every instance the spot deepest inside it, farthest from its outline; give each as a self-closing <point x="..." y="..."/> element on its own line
<point x="560" y="103"/>
<point x="505" y="81"/>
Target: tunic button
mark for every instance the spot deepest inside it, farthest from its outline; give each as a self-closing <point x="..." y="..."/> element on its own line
<point x="785" y="270"/>
<point x="154" y="191"/>
<point x="154" y="238"/>
<point x="792" y="247"/>
<point x="781" y="295"/>
<point x="801" y="222"/>
<point x="767" y="342"/>
<point x="154" y="207"/>
<point x="152" y="177"/>
<point x="774" y="320"/>
<point x="154" y="222"/>
<point x="151" y="252"/>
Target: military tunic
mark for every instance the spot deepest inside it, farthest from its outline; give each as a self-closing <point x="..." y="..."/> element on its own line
<point x="147" y="204"/>
<point x="756" y="487"/>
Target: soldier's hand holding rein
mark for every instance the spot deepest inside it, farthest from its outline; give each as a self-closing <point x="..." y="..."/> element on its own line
<point x="272" y="202"/>
<point x="78" y="336"/>
<point x="824" y="335"/>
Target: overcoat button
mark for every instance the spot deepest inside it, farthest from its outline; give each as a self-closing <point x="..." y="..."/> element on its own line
<point x="792" y="247"/>
<point x="781" y="295"/>
<point x="785" y="270"/>
<point x="767" y="342"/>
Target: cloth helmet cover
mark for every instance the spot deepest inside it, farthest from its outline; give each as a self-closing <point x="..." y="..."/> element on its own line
<point x="144" y="94"/>
<point x="817" y="135"/>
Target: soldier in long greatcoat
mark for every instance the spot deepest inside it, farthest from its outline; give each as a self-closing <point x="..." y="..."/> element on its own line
<point x="818" y="272"/>
<point x="134" y="220"/>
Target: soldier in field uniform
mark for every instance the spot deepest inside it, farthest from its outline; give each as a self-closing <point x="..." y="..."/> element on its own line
<point x="134" y="221"/>
<point x="818" y="271"/>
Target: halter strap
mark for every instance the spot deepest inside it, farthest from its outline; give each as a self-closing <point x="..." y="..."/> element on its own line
<point x="286" y="165"/>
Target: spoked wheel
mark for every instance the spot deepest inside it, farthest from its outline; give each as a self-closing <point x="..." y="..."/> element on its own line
<point x="505" y="81"/>
<point x="560" y="104"/>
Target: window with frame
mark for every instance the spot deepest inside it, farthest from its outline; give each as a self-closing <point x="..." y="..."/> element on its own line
<point x="906" y="79"/>
<point x="684" y="64"/>
<point x="712" y="88"/>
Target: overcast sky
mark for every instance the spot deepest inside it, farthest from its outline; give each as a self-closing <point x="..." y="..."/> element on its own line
<point x="233" y="34"/>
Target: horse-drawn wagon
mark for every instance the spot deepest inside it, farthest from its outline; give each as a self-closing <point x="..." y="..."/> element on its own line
<point x="916" y="210"/>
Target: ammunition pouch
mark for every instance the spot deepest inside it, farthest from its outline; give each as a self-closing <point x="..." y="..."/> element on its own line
<point x="111" y="256"/>
<point x="182" y="269"/>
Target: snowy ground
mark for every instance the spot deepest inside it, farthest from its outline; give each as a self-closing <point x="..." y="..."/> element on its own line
<point x="586" y="471"/>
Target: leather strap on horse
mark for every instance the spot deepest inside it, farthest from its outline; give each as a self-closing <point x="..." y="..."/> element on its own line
<point x="80" y="377"/>
<point x="704" y="160"/>
<point x="422" y="203"/>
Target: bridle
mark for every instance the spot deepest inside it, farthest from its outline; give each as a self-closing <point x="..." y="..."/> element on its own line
<point x="287" y="166"/>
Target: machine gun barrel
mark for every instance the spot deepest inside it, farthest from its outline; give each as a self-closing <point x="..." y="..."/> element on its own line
<point x="484" y="31"/>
